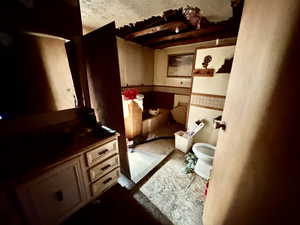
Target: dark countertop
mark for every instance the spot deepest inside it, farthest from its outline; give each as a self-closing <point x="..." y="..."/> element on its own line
<point x="25" y="155"/>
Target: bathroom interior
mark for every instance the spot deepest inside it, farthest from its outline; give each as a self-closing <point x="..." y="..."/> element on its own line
<point x="113" y="121"/>
<point x="188" y="119"/>
<point x="175" y="102"/>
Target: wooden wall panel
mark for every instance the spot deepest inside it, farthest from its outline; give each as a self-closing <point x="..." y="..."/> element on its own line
<point x="148" y="101"/>
<point x="163" y="100"/>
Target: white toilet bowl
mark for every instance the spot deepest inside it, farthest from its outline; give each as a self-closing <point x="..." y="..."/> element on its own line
<point x="205" y="154"/>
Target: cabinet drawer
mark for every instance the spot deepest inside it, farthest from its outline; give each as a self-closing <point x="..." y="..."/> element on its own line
<point x="105" y="182"/>
<point x="101" y="153"/>
<point x="102" y="168"/>
<point x="49" y="198"/>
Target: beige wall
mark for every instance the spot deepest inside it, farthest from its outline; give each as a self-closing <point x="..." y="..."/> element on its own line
<point x="135" y="62"/>
<point x="42" y="76"/>
<point x="57" y="71"/>
<point x="207" y="134"/>
<point x="216" y="85"/>
<point x="161" y="63"/>
<point x="255" y="177"/>
<point x="218" y="54"/>
<point x="181" y="99"/>
<point x="160" y="71"/>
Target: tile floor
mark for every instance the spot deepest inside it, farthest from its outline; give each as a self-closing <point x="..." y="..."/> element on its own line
<point x="146" y="156"/>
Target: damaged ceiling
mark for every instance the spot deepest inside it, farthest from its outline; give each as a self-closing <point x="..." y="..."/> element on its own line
<point x="160" y="24"/>
<point x="96" y="13"/>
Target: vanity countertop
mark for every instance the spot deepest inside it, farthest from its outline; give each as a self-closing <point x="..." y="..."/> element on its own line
<point x="21" y="160"/>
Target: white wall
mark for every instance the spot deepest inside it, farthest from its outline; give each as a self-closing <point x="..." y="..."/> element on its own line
<point x="208" y="134"/>
<point x="216" y="85"/>
<point x="218" y="55"/>
<point x="136" y="63"/>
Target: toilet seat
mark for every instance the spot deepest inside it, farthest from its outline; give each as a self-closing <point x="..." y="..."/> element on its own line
<point x="204" y="151"/>
<point x="205" y="154"/>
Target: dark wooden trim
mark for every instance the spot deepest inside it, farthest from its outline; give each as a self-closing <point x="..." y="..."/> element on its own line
<point x="160" y="86"/>
<point x="136" y="86"/>
<point x="184" y="77"/>
<point x="142" y="33"/>
<point x="206" y="107"/>
<point x="167" y="86"/>
<point x="208" y="95"/>
<point x="194" y="40"/>
<point x="181" y="54"/>
<point x="214" y="45"/>
<point x="188" y="35"/>
<point x="172" y="92"/>
<point x="168" y="26"/>
<point x="203" y="72"/>
<point x="182" y="94"/>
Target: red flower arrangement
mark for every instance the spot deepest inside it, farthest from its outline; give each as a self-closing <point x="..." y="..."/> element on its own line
<point x="130" y="93"/>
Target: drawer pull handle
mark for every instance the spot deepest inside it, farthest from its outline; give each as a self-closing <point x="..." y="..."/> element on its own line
<point x="106" y="167"/>
<point x="59" y="196"/>
<point x="107" y="180"/>
<point x="103" y="152"/>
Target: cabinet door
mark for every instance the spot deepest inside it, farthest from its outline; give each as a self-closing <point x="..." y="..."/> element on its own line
<point x="51" y="197"/>
<point x="102" y="65"/>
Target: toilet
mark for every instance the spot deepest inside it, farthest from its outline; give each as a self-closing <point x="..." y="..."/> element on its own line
<point x="205" y="154"/>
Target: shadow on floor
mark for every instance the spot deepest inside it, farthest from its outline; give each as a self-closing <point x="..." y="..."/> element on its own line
<point x="117" y="206"/>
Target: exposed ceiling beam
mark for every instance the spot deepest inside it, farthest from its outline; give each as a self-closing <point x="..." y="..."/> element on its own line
<point x="209" y="37"/>
<point x="189" y="34"/>
<point x="162" y="33"/>
<point x="168" y="26"/>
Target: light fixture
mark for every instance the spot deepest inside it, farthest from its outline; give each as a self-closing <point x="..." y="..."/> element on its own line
<point x="177" y="30"/>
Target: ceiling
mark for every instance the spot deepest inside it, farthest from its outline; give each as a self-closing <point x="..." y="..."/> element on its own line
<point x="96" y="13"/>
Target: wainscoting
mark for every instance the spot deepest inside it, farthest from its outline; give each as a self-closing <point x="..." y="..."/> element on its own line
<point x="159" y="96"/>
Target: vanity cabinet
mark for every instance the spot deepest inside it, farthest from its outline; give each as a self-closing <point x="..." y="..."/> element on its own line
<point x="102" y="168"/>
<point x="48" y="198"/>
<point x="61" y="189"/>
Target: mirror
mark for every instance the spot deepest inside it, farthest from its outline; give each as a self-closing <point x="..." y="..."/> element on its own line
<point x="36" y="76"/>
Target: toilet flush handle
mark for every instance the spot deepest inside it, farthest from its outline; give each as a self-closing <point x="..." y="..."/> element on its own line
<point x="219" y="124"/>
